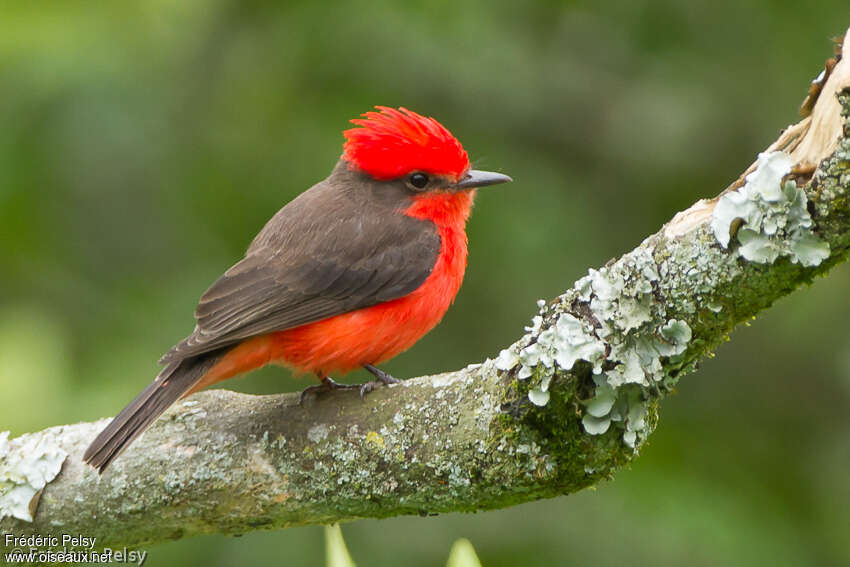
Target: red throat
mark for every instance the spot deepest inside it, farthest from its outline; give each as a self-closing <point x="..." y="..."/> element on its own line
<point x="448" y="210"/>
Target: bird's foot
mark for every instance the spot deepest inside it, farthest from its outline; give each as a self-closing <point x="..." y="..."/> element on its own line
<point x="381" y="378"/>
<point x="326" y="385"/>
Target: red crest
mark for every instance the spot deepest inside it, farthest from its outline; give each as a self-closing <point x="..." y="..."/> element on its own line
<point x="394" y="142"/>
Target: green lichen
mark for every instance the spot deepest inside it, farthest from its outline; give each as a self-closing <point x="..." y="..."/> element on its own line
<point x="773" y="217"/>
<point x="625" y="336"/>
<point x="631" y="321"/>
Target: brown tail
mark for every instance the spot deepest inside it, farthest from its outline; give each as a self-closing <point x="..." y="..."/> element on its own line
<point x="171" y="384"/>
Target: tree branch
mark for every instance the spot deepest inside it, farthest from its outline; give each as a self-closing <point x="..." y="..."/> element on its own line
<point x="565" y="406"/>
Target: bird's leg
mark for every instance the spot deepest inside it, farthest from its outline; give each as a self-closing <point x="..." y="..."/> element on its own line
<point x="382" y="377"/>
<point x="326" y="384"/>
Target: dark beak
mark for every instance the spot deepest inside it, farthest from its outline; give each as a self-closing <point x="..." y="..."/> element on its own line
<point x="476" y="178"/>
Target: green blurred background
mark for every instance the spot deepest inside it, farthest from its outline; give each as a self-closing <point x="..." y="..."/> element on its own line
<point x="144" y="144"/>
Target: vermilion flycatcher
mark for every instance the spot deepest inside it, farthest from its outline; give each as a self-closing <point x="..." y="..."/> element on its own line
<point x="349" y="274"/>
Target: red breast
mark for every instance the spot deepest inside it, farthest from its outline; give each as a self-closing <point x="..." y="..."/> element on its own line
<point x="387" y="147"/>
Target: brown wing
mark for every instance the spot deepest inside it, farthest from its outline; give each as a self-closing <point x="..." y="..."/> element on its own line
<point x="330" y="251"/>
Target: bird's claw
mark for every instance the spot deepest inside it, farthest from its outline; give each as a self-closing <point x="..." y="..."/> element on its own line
<point x="326" y="385"/>
<point x="381" y="378"/>
<point x="367" y="387"/>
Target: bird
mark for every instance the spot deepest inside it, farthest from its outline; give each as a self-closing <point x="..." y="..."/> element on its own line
<point x="349" y="274"/>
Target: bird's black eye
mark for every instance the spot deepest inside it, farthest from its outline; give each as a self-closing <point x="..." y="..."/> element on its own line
<point x="419" y="180"/>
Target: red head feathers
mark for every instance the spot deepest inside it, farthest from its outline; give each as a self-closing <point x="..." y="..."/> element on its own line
<point x="392" y="143"/>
